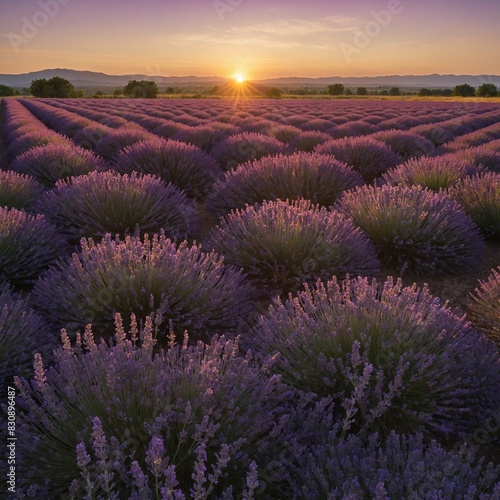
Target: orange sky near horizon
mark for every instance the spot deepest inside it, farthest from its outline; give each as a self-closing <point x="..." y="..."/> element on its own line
<point x="259" y="38"/>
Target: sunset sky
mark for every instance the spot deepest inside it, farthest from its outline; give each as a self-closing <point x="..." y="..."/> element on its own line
<point x="260" y="38"/>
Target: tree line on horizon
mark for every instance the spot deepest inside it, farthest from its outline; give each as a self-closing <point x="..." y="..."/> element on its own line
<point x="58" y="87"/>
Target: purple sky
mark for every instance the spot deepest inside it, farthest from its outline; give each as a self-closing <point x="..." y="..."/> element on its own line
<point x="260" y="38"/>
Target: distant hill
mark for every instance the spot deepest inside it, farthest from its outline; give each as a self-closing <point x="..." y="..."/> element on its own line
<point x="418" y="81"/>
<point x="92" y="79"/>
<point x="83" y="79"/>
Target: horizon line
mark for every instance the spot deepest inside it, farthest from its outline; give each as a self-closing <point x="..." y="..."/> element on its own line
<point x="266" y="78"/>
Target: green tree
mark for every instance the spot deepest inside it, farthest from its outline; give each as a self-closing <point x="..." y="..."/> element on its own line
<point x="273" y="92"/>
<point x="395" y="91"/>
<point x="362" y="91"/>
<point x="336" y="89"/>
<point x="143" y="89"/>
<point x="38" y="87"/>
<point x="486" y="90"/>
<point x="6" y="91"/>
<point x="464" y="90"/>
<point x="53" y="87"/>
<point x="425" y="92"/>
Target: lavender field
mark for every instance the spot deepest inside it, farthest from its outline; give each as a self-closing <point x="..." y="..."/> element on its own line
<point x="252" y="299"/>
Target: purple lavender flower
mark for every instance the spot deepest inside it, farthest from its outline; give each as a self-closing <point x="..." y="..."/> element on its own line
<point x="281" y="245"/>
<point x="484" y="305"/>
<point x="435" y="173"/>
<point x="18" y="190"/>
<point x="286" y="133"/>
<point x="318" y="178"/>
<point x="28" y="141"/>
<point x="194" y="290"/>
<point x="308" y="141"/>
<point x="479" y="195"/>
<point x="106" y="202"/>
<point x="406" y="144"/>
<point x="22" y="333"/>
<point x="185" y="165"/>
<point x="369" y="157"/>
<point x="415" y="229"/>
<point x="123" y="419"/>
<point x="392" y="358"/>
<point x="53" y="162"/>
<point x="241" y="148"/>
<point x="398" y="467"/>
<point x="28" y="245"/>
<point x="117" y="140"/>
<point x="482" y="156"/>
<point x="475" y="138"/>
<point x="434" y="132"/>
<point x="353" y="128"/>
<point x="206" y="136"/>
<point x="168" y="128"/>
<point x="89" y="136"/>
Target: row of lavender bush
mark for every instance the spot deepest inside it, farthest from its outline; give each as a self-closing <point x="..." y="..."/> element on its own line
<point x="331" y="373"/>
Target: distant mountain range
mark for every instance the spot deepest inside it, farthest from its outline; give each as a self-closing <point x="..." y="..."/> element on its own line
<point x="85" y="79"/>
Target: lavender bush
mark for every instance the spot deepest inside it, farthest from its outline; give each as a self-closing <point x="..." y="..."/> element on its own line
<point x="406" y="144"/>
<point x="484" y="305"/>
<point x="354" y="128"/>
<point x="397" y="467"/>
<point x="392" y="358"/>
<point x="282" y="245"/>
<point x="308" y="141"/>
<point x="485" y="156"/>
<point x="22" y="333"/>
<point x="168" y="128"/>
<point x="318" y="178"/>
<point x="317" y="125"/>
<point x="206" y="136"/>
<point x="286" y="133"/>
<point x="61" y="120"/>
<point x="241" y="148"/>
<point x="479" y="195"/>
<point x="14" y="130"/>
<point x="193" y="289"/>
<point x="185" y="165"/>
<point x="18" y="190"/>
<point x="369" y="157"/>
<point x="117" y="140"/>
<point x="474" y="138"/>
<point x="415" y="229"/>
<point x="28" y="141"/>
<point x="53" y="162"/>
<point x="106" y="202"/>
<point x="127" y="421"/>
<point x="434" y="173"/>
<point x="28" y="245"/>
<point x="91" y="135"/>
<point x="253" y="125"/>
<point x="434" y="132"/>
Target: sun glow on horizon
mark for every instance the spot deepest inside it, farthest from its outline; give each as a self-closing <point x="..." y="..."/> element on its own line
<point x="239" y="77"/>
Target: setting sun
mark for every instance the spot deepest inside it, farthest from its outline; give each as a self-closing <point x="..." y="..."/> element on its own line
<point x="239" y="77"/>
